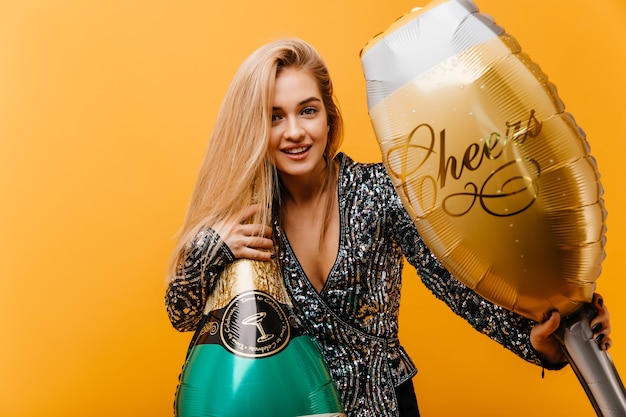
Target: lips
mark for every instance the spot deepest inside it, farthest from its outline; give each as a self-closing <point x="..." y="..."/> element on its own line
<point x="296" y="151"/>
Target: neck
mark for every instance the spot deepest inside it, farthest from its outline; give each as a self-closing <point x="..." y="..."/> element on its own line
<point x="304" y="190"/>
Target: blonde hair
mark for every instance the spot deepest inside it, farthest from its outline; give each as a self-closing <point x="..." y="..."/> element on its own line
<point x="236" y="169"/>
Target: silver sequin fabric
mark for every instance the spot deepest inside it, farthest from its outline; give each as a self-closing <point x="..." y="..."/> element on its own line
<point x="354" y="318"/>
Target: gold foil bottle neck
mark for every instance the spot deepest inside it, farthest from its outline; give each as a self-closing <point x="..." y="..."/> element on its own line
<point x="247" y="275"/>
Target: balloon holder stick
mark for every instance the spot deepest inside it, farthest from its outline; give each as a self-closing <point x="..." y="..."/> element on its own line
<point x="593" y="367"/>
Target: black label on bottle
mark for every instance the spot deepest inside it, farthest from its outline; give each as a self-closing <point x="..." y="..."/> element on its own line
<point x="253" y="325"/>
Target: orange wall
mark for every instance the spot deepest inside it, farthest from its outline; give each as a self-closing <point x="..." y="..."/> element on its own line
<point x="105" y="108"/>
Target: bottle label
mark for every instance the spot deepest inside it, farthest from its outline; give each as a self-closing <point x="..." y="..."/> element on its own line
<point x="252" y="325"/>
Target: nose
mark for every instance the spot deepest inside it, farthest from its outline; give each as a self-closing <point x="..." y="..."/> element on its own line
<point x="294" y="129"/>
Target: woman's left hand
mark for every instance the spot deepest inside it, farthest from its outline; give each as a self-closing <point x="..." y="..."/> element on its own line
<point x="549" y="348"/>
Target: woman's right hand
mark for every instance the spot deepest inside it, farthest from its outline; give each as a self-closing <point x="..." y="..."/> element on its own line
<point x="252" y="241"/>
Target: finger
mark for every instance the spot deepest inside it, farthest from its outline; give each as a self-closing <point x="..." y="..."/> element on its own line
<point x="553" y="322"/>
<point x="601" y="322"/>
<point x="598" y="301"/>
<point x="541" y="338"/>
<point x="606" y="344"/>
<point x="256" y="255"/>
<point x="256" y="242"/>
<point x="254" y="230"/>
<point x="242" y="242"/>
<point x="263" y="252"/>
<point x="545" y="329"/>
<point x="603" y="340"/>
<point x="267" y="231"/>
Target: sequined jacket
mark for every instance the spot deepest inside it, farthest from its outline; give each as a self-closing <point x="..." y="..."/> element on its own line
<point x="355" y="316"/>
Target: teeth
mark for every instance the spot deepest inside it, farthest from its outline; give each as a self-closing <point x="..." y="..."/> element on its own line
<point x="296" y="150"/>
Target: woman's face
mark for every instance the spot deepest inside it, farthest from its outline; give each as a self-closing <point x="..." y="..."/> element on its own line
<point x="299" y="125"/>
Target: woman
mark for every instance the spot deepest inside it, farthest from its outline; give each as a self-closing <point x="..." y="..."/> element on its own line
<point x="339" y="230"/>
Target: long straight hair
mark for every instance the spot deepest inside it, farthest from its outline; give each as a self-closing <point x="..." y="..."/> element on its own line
<point x="236" y="169"/>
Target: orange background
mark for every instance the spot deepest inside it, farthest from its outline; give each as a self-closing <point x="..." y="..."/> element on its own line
<point x="105" y="109"/>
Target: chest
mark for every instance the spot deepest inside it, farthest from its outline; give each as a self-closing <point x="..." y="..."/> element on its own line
<point x="313" y="235"/>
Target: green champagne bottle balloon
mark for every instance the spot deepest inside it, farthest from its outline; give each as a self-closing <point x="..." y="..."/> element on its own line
<point x="249" y="357"/>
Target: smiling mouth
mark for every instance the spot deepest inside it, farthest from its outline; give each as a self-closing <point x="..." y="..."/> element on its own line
<point x="296" y="151"/>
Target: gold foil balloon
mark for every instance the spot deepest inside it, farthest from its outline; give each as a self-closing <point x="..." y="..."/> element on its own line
<point x="496" y="176"/>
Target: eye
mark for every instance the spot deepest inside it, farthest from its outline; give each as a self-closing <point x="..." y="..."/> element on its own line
<point x="276" y="117"/>
<point x="309" y="111"/>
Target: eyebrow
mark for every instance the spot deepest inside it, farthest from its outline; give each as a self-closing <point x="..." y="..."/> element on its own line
<point x="303" y="102"/>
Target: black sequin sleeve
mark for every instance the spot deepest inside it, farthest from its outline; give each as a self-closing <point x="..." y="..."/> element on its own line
<point x="186" y="294"/>
<point x="505" y="327"/>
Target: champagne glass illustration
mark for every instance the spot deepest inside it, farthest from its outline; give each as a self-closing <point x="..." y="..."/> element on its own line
<point x="255" y="320"/>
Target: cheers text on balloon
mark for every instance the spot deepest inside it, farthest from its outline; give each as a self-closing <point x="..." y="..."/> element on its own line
<point x="508" y="189"/>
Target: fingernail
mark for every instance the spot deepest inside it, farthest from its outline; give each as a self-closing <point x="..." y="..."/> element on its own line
<point x="273" y="255"/>
<point x="600" y="338"/>
<point x="596" y="327"/>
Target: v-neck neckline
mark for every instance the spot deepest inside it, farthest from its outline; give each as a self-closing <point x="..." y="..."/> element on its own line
<point x="292" y="253"/>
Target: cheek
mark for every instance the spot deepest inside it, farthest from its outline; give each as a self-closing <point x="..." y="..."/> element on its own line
<point x="274" y="139"/>
<point x="320" y="131"/>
